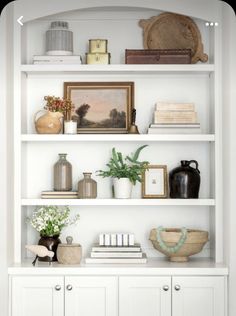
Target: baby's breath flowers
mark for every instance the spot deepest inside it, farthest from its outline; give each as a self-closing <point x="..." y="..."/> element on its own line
<point x="56" y="104"/>
<point x="50" y="220"/>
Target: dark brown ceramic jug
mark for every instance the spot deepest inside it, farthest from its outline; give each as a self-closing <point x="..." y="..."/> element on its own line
<point x="51" y="243"/>
<point x="184" y="181"/>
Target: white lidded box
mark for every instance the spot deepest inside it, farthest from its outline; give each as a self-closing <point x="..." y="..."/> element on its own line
<point x="98" y="45"/>
<point x="98" y="58"/>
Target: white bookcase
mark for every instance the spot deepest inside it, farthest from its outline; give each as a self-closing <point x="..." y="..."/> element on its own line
<point x="34" y="154"/>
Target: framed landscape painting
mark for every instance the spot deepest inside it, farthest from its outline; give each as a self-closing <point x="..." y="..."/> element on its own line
<point x="101" y="107"/>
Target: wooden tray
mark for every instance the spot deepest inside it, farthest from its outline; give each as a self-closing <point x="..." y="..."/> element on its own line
<point x="173" y="31"/>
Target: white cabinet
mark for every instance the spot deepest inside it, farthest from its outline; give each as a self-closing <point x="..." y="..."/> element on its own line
<point x="194" y="296"/>
<point x="48" y="296"/>
<point x="88" y="296"/>
<point x="142" y="295"/>
<point x="154" y="296"/>
<point x="37" y="296"/>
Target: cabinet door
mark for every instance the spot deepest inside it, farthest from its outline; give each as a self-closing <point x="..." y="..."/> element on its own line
<point x="194" y="296"/>
<point x="149" y="296"/>
<point x="90" y="296"/>
<point x="37" y="296"/>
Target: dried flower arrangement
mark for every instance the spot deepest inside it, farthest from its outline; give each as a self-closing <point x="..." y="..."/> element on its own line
<point x="56" y="104"/>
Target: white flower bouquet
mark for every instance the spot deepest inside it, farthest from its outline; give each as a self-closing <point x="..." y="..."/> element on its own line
<point x="50" y="220"/>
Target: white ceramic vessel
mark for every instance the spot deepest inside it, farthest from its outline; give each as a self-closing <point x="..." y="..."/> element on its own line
<point x="122" y="188"/>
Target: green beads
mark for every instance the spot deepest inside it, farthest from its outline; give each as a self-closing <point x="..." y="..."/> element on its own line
<point x="178" y="245"/>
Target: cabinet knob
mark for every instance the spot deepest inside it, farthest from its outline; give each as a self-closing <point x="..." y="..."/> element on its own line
<point x="69" y="287"/>
<point x="177" y="287"/>
<point x="166" y="287"/>
<point x="57" y="287"/>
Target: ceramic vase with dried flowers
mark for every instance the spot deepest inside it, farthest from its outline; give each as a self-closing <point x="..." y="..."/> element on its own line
<point x="54" y="111"/>
<point x="49" y="222"/>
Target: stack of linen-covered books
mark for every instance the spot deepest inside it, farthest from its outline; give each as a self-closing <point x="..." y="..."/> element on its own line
<point x="56" y="59"/>
<point x="116" y="248"/>
<point x="59" y="195"/>
<point x="175" y="118"/>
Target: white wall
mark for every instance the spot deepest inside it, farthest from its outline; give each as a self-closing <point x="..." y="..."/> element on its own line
<point x="229" y="148"/>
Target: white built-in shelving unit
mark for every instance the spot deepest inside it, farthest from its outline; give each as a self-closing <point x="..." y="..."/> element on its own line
<point x="35" y="154"/>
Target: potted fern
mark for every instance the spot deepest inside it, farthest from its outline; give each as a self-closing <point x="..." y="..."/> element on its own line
<point x="125" y="171"/>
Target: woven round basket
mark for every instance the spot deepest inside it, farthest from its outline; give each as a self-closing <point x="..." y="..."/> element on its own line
<point x="193" y="244"/>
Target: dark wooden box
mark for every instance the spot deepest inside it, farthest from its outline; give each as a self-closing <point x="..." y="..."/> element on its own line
<point x="158" y="56"/>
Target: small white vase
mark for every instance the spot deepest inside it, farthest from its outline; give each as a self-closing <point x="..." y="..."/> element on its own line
<point x="122" y="188"/>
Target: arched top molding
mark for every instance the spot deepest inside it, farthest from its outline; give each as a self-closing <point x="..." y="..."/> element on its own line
<point x="34" y="9"/>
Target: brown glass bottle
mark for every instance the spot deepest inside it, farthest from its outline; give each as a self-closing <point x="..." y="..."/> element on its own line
<point x="62" y="174"/>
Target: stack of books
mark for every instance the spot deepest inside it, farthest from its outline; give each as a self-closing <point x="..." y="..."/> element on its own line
<point x="59" y="195"/>
<point x="57" y="59"/>
<point x="116" y="248"/>
<point x="116" y="254"/>
<point x="175" y="118"/>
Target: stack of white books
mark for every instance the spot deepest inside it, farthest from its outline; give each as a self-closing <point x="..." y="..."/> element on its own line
<point x="116" y="254"/>
<point x="116" y="248"/>
<point x="175" y="118"/>
<point x="56" y="59"/>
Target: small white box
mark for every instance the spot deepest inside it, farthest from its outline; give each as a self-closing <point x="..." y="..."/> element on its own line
<point x="119" y="240"/>
<point x="101" y="239"/>
<point x="107" y="239"/>
<point x="131" y="239"/>
<point x="125" y="239"/>
<point x="113" y="240"/>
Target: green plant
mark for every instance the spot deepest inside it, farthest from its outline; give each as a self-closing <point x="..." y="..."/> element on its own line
<point x="50" y="220"/>
<point x="128" y="167"/>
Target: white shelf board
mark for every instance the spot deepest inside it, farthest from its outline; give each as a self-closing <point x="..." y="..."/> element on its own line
<point x="119" y="68"/>
<point x="154" y="266"/>
<point x="120" y="202"/>
<point x="117" y="137"/>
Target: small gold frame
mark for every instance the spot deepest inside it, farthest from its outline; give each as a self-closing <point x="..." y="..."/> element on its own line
<point x="164" y="186"/>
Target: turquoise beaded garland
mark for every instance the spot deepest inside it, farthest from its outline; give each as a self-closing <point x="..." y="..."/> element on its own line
<point x="178" y="245"/>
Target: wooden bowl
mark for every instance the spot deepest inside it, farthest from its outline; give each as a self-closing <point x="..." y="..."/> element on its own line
<point x="193" y="244"/>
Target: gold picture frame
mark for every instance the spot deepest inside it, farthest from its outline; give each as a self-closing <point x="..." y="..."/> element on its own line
<point x="101" y="107"/>
<point x="152" y="185"/>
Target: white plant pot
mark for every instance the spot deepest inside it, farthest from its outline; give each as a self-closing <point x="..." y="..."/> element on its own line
<point x="122" y="188"/>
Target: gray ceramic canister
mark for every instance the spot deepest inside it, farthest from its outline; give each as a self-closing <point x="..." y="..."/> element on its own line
<point x="59" y="39"/>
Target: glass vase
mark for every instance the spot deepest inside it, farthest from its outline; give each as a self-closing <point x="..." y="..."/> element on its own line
<point x="87" y="187"/>
<point x="62" y="174"/>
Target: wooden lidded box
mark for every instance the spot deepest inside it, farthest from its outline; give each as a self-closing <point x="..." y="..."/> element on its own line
<point x="98" y="46"/>
<point x="69" y="253"/>
<point x="98" y="58"/>
<point x="158" y="56"/>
